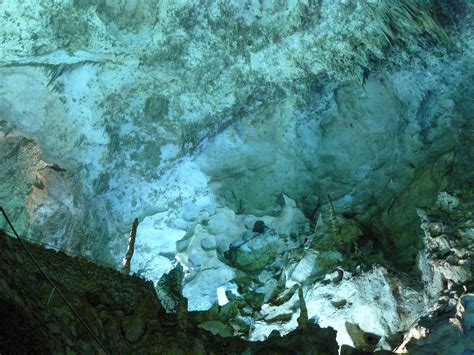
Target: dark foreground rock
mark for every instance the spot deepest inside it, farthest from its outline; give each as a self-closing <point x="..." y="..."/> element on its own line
<point x="122" y="311"/>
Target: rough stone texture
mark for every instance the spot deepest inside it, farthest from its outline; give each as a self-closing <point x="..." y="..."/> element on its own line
<point x="122" y="311"/>
<point x="378" y="301"/>
<point x="201" y="118"/>
<point x="43" y="200"/>
<point x="446" y="329"/>
<point x="448" y="326"/>
<point x="255" y="253"/>
<point x="165" y="110"/>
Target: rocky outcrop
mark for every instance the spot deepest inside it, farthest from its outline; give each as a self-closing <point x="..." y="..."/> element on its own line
<point x="370" y="306"/>
<point x="369" y="309"/>
<point x="167" y="111"/>
<point x="447" y="328"/>
<point x="268" y="147"/>
<point x="122" y="311"/>
<point x="446" y="264"/>
<point x="44" y="200"/>
<point x="255" y="253"/>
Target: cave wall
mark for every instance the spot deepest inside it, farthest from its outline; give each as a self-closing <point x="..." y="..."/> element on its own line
<point x="162" y="111"/>
<point x="201" y="118"/>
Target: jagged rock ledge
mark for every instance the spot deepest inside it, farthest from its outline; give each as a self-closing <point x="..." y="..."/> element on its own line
<point x="122" y="311"/>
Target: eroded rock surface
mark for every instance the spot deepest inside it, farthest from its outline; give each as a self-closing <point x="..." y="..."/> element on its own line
<point x="447" y="269"/>
<point x="122" y="311"/>
<point x="203" y="119"/>
<point x="164" y="111"/>
<point x="372" y="307"/>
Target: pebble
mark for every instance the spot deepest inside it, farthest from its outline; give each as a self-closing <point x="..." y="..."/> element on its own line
<point x="444" y="250"/>
<point x="195" y="261"/>
<point x="339" y="304"/>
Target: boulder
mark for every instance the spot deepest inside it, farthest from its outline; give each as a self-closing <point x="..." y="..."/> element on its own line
<point x="307" y="268"/>
<point x="133" y="328"/>
<point x="254" y="254"/>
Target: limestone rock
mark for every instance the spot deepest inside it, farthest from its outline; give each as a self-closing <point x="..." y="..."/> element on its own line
<point x="446" y="329"/>
<point x="195" y="261"/>
<point x="208" y="243"/>
<point x="334" y="277"/>
<point x="146" y="328"/>
<point x="201" y="290"/>
<point x="308" y="267"/>
<point x="202" y="118"/>
<point x="362" y="340"/>
<point x="254" y="254"/>
<point x="447" y="202"/>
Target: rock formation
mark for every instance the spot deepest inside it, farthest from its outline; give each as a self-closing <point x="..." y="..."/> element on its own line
<point x="267" y="149"/>
<point x="122" y="311"/>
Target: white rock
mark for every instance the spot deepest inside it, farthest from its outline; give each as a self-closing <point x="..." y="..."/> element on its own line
<point x="226" y="227"/>
<point x="447" y="202"/>
<point x="195" y="261"/>
<point x="201" y="291"/>
<point x="208" y="243"/>
<point x="222" y="299"/>
<point x="306" y="268"/>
